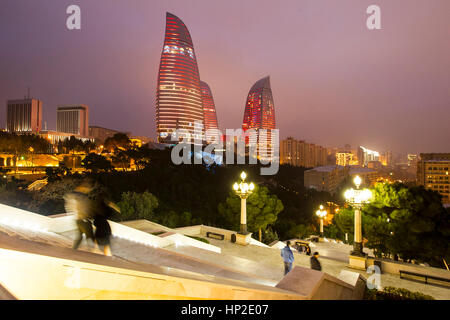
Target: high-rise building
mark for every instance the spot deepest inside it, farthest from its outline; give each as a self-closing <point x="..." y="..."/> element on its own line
<point x="387" y="157"/>
<point x="433" y="173"/>
<point x="365" y="156"/>
<point x="302" y="154"/>
<point x="209" y="111"/>
<point x="346" y="158"/>
<point x="259" y="108"/>
<point x="325" y="178"/>
<point x="178" y="95"/>
<point x="412" y="160"/>
<point x="73" y="119"/>
<point x="260" y="114"/>
<point x="24" y="115"/>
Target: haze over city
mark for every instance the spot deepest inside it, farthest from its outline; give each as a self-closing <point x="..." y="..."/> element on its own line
<point x="333" y="80"/>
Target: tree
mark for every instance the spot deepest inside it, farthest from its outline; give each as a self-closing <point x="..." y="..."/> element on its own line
<point x="344" y="220"/>
<point x="333" y="232"/>
<point x="121" y="158"/>
<point x="140" y="156"/>
<point x="119" y="141"/>
<point x="408" y="222"/>
<point x="135" y="206"/>
<point x="262" y="210"/>
<point x="96" y="162"/>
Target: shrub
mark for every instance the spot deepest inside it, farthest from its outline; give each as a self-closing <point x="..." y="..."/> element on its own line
<point x="392" y="293"/>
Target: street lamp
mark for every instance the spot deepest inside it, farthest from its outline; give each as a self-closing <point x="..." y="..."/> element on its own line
<point x="243" y="190"/>
<point x="357" y="198"/>
<point x="321" y="213"/>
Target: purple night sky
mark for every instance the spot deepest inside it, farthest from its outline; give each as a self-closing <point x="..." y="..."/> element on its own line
<point x="333" y="80"/>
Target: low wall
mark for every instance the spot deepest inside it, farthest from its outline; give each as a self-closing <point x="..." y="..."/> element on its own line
<point x="190" y="231"/>
<point x="25" y="219"/>
<point x="122" y="231"/>
<point x="316" y="285"/>
<point x="226" y="233"/>
<point x="180" y="239"/>
<point x="202" y="230"/>
<point x="394" y="267"/>
<point x="62" y="223"/>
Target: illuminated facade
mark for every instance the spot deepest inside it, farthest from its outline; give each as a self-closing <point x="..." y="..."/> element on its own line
<point x="178" y="95"/>
<point x="73" y="119"/>
<point x="209" y="110"/>
<point x="302" y="154"/>
<point x="433" y="173"/>
<point x="346" y="159"/>
<point x="260" y="114"/>
<point x="365" y="156"/>
<point x="24" y="115"/>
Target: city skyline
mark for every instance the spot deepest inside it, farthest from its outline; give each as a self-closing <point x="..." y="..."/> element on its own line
<point x="385" y="89"/>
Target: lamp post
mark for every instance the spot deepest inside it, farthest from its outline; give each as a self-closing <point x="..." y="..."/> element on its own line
<point x="243" y="190"/>
<point x="357" y="198"/>
<point x="321" y="213"/>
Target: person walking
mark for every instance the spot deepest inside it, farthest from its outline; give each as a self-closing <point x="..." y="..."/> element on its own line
<point x="315" y="263"/>
<point x="288" y="257"/>
<point x="308" y="251"/>
<point x="103" y="211"/>
<point x="79" y="203"/>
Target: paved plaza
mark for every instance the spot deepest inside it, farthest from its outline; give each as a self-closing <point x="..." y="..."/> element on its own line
<point x="175" y="252"/>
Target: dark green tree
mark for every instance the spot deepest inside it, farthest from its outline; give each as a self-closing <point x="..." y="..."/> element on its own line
<point x="262" y="210"/>
<point x="95" y="162"/>
<point x="134" y="206"/>
<point x="408" y="222"/>
<point x="345" y="222"/>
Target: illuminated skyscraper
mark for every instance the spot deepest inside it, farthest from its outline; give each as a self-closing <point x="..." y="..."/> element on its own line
<point x="260" y="112"/>
<point x="209" y="109"/>
<point x="178" y="95"/>
<point x="73" y="119"/>
<point x="24" y="115"/>
<point x="259" y="108"/>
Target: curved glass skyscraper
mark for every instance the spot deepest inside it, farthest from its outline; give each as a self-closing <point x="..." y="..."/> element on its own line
<point x="209" y="110"/>
<point x="259" y="109"/>
<point x="178" y="95"/>
<point x="259" y="115"/>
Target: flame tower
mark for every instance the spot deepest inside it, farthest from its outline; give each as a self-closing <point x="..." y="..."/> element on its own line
<point x="209" y="110"/>
<point x="178" y="95"/>
<point x="259" y="115"/>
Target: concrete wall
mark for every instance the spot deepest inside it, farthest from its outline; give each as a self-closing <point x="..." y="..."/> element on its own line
<point x="121" y="231"/>
<point x="202" y="230"/>
<point x="394" y="267"/>
<point x="316" y="285"/>
<point x="190" y="231"/>
<point x="183" y="240"/>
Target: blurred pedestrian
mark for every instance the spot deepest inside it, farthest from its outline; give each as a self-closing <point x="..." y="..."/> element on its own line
<point x="288" y="257"/>
<point x="104" y="209"/>
<point x="308" y="250"/>
<point x="315" y="263"/>
<point x="79" y="203"/>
